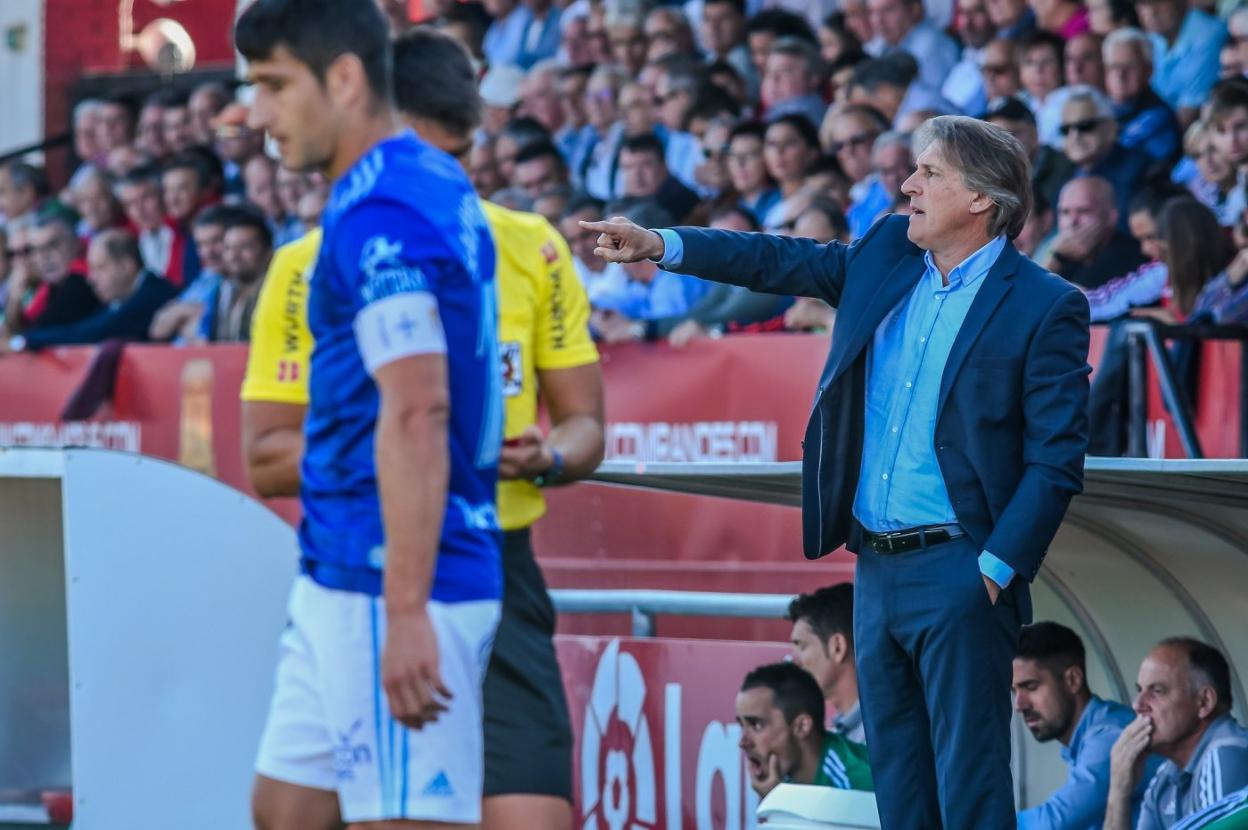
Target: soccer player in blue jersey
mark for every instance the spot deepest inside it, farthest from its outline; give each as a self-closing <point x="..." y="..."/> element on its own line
<point x="376" y="715"/>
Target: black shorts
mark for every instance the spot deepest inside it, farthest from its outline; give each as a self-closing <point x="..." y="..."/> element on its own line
<point x="528" y="737"/>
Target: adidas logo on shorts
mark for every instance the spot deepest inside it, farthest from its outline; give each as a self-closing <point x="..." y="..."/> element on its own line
<point x="439" y="785"/>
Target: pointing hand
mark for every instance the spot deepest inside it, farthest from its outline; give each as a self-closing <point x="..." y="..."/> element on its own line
<point x="620" y="240"/>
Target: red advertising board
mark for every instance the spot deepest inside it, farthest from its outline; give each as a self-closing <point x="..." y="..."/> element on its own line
<point x="656" y="737"/>
<point x="742" y="398"/>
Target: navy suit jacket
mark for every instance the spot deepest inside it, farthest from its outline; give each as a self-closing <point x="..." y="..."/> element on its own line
<point x="129" y="320"/>
<point x="1012" y="422"/>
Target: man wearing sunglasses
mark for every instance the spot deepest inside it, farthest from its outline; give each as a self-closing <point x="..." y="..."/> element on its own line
<point x="1090" y="139"/>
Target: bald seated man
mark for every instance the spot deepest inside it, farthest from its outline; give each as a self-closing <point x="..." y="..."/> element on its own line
<point x="1089" y="249"/>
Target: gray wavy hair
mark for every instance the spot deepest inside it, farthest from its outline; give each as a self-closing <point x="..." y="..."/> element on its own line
<point x="991" y="162"/>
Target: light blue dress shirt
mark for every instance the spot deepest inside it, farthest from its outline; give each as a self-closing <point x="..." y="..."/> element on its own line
<point x="504" y="40"/>
<point x="1079" y="803"/>
<point x="904" y="371"/>
<point x="667" y="295"/>
<point x="1184" y="73"/>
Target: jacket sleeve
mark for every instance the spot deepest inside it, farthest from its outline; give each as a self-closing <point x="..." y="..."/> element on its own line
<point x="1055" y="436"/>
<point x="773" y="264"/>
<point x="99" y="326"/>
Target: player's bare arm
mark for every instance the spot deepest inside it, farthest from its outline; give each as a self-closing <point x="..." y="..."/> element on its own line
<point x="413" y="470"/>
<point x="273" y="446"/>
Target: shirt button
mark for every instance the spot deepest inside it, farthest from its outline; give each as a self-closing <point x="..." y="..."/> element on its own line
<point x="894" y="429"/>
<point x="885" y="476"/>
<point x="908" y="384"/>
<point x="922" y="339"/>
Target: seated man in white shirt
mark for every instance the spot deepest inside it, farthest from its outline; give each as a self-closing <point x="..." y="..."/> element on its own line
<point x="964" y="88"/>
<point x="902" y="25"/>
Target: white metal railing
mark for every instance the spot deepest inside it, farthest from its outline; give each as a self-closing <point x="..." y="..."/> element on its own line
<point x="644" y="605"/>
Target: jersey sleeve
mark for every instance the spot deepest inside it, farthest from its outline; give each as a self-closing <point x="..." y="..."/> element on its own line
<point x="281" y="343"/>
<point x="562" y="338"/>
<point x="394" y="267"/>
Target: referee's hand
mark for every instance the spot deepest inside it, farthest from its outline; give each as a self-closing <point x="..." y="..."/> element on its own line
<point x="621" y="240"/>
<point x="409" y="670"/>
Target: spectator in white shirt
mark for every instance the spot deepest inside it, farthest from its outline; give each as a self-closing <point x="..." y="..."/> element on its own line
<point x="964" y="88"/>
<point x="901" y="25"/>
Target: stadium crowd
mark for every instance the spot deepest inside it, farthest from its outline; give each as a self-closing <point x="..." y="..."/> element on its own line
<point x="785" y="116"/>
<point x="1176" y="758"/>
<point x="789" y="117"/>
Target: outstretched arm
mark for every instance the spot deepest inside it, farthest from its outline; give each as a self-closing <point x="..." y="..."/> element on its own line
<point x="761" y="262"/>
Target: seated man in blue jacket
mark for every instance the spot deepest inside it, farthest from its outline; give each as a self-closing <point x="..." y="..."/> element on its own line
<point x="131" y="297"/>
<point x="1051" y="694"/>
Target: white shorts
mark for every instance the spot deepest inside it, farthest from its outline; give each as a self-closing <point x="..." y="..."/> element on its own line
<point x="329" y="724"/>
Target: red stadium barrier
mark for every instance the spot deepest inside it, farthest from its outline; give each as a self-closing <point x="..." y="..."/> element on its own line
<point x="742" y="398"/>
<point x="656" y="734"/>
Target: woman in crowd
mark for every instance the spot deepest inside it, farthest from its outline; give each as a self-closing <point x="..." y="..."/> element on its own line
<point x="790" y="149"/>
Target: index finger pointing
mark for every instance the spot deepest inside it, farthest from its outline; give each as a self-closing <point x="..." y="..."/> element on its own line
<point x="601" y="227"/>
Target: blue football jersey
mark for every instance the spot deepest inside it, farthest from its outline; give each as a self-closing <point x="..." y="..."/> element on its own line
<point x="402" y="230"/>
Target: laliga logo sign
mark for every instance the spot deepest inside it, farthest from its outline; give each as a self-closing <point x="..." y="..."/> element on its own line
<point x="615" y="748"/>
<point x="619" y="788"/>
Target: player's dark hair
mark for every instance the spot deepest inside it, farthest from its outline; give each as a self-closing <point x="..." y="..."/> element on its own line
<point x="1053" y="645"/>
<point x="317" y="33"/>
<point x="828" y="610"/>
<point x="434" y="80"/>
<point x="1208" y="664"/>
<point x="795" y="691"/>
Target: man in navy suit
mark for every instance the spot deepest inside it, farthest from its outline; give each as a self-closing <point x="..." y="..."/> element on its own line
<point x="946" y="441"/>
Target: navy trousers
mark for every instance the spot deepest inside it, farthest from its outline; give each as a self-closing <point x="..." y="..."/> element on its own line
<point x="934" y="661"/>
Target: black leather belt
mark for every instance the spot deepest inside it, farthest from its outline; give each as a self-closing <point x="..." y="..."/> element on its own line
<point x="900" y="541"/>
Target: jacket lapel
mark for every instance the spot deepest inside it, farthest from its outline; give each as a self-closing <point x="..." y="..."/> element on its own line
<point x="888" y="293"/>
<point x="996" y="285"/>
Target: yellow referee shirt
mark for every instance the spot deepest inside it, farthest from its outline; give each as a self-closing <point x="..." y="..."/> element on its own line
<point x="543" y="325"/>
<point x="281" y="344"/>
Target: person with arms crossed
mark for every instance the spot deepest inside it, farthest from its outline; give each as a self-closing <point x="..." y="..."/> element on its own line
<point x="376" y="715"/>
<point x="546" y="351"/>
<point x="945" y="443"/>
<point x="1051" y="694"/>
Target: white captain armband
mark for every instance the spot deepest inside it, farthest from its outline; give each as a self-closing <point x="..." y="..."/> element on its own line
<point x="401" y="325"/>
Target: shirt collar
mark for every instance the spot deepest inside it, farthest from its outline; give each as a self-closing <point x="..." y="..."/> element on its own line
<point x="973" y="268"/>
<point x="1204" y="742"/>
<point x="849" y="721"/>
<point x="1090" y="713"/>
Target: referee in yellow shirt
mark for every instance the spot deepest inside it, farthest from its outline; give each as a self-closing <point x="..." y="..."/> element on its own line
<point x="547" y="352"/>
